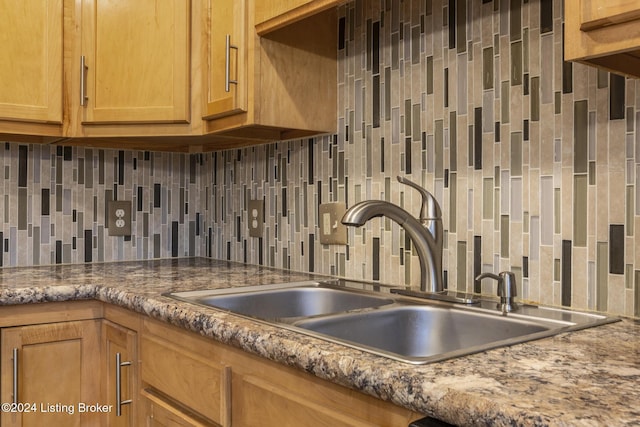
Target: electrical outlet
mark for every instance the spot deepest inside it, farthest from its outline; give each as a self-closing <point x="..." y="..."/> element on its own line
<point x="119" y="220"/>
<point x="256" y="218"/>
<point x="332" y="230"/>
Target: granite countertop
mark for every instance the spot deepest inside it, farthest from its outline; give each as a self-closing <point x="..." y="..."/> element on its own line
<point x="587" y="377"/>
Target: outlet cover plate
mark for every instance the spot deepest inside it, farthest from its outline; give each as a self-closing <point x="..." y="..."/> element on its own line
<point x="255" y="217"/>
<point x="119" y="217"/>
<point x="332" y="230"/>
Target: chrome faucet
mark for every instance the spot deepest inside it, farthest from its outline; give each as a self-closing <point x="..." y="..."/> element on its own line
<point x="425" y="233"/>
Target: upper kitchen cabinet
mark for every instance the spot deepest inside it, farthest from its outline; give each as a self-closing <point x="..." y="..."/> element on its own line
<point x="133" y="69"/>
<point x="604" y="34"/>
<point x="227" y="58"/>
<point x="275" y="87"/>
<point x="31" y="54"/>
<point x="274" y="14"/>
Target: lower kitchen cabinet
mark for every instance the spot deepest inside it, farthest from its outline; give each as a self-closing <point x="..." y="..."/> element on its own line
<point x="65" y="355"/>
<point x="160" y="413"/>
<point x="49" y="371"/>
<point x="189" y="374"/>
<point x="119" y="355"/>
<point x="256" y="399"/>
<point x="185" y="373"/>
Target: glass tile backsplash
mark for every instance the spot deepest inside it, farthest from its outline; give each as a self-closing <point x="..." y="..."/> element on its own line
<point x="536" y="164"/>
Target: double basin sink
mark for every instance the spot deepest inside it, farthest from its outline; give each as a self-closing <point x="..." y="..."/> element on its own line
<point x="407" y="329"/>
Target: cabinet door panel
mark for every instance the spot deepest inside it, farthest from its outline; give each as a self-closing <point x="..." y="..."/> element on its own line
<point x="31" y="57"/>
<point x="159" y="413"/>
<point x="597" y="14"/>
<point x="199" y="383"/>
<point x="227" y="61"/>
<point x="57" y="370"/>
<point x="120" y="340"/>
<point x="137" y="58"/>
<point x="256" y="401"/>
<point x="272" y="15"/>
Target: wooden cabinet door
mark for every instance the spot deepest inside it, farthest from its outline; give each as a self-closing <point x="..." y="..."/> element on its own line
<point x="269" y="9"/>
<point x="57" y="369"/>
<point x="259" y="402"/>
<point x="188" y="374"/>
<point x="227" y="92"/>
<point x="271" y="15"/>
<point x="137" y="59"/>
<point x="31" y="56"/>
<point x="598" y="13"/>
<point x="604" y="34"/>
<point x="159" y="413"/>
<point x="121" y="341"/>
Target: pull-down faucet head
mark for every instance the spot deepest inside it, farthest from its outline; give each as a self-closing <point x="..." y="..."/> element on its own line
<point x="426" y="233"/>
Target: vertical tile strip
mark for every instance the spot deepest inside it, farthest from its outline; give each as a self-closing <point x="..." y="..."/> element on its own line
<point x="602" y="270"/>
<point x="461" y="267"/>
<point x="580" y="211"/>
<point x="477" y="262"/>
<point x="616" y="97"/>
<point x="477" y="138"/>
<point x="616" y="249"/>
<point x="566" y="273"/>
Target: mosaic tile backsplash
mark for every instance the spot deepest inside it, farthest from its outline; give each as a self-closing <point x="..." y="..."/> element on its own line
<point x="535" y="162"/>
<point x="54" y="202"/>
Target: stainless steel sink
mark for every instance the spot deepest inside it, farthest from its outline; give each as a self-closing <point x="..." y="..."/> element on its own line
<point x="285" y="301"/>
<point x="398" y="327"/>
<point x="419" y="332"/>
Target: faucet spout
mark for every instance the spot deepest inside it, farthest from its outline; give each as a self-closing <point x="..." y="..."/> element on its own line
<point x="428" y="246"/>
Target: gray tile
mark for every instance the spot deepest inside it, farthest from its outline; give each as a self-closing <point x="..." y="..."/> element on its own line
<point x="516" y="63"/>
<point x="580" y="210"/>
<point x="487" y="68"/>
<point x="453" y="209"/>
<point x="602" y="270"/>
<point x="461" y="270"/>
<point x="516" y="154"/>
<point x="580" y="136"/>
<point x="504" y="236"/>
<point x="535" y="99"/>
<point x="487" y="198"/>
<point x="505" y="102"/>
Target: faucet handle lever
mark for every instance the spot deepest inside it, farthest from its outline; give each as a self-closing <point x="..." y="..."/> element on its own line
<point x="430" y="208"/>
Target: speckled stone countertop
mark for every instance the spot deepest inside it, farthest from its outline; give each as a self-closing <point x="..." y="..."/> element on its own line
<point x="589" y="377"/>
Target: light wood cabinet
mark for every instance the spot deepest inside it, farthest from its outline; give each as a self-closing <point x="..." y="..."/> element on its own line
<point x="163" y="75"/>
<point x="66" y="355"/>
<point x="272" y="404"/>
<point x="280" y="77"/>
<point x="159" y="413"/>
<point x="53" y="368"/>
<point x="136" y="69"/>
<point x="245" y="390"/>
<point x="137" y="57"/>
<point x="275" y="14"/>
<point x="175" y="364"/>
<point x="31" y="54"/>
<point x="120" y="356"/>
<point x="604" y="34"/>
<point x="227" y="58"/>
<point x="176" y="377"/>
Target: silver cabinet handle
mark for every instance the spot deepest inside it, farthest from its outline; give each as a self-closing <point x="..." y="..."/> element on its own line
<point x="83" y="81"/>
<point x="15" y="375"/>
<point x="119" y="401"/>
<point x="227" y="71"/>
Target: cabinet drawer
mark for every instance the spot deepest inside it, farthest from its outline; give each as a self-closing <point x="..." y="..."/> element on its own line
<point x="193" y="381"/>
<point x="159" y="413"/>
